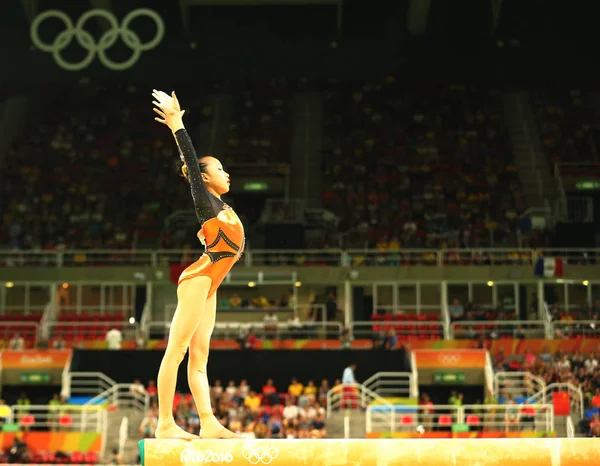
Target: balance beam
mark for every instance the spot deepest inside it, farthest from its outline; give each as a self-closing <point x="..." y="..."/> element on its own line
<point x="375" y="452"/>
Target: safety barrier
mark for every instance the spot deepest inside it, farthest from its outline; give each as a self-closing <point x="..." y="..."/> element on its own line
<point x="518" y="385"/>
<point x="402" y="329"/>
<point x="576" y="397"/>
<point x="391" y="384"/>
<point x="497" y="329"/>
<point x="238" y="330"/>
<point x="316" y="257"/>
<point x="509" y="418"/>
<point x="59" y="418"/>
<point x="90" y="329"/>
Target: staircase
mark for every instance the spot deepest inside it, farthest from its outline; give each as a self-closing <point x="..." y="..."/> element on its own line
<point x="539" y="187"/>
<point x="349" y="423"/>
<point x="129" y="449"/>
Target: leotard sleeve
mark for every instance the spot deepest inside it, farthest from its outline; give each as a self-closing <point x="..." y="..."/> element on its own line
<point x="206" y="207"/>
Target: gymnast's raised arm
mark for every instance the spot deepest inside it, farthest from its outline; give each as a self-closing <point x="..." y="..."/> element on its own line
<point x="170" y="114"/>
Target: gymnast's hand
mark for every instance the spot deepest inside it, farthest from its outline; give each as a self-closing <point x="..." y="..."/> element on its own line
<point x="168" y="108"/>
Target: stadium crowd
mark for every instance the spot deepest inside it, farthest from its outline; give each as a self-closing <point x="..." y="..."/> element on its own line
<point x="579" y="369"/>
<point x="265" y="413"/>
<point x="406" y="166"/>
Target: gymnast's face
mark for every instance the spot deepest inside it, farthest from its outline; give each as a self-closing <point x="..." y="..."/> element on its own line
<point x="214" y="175"/>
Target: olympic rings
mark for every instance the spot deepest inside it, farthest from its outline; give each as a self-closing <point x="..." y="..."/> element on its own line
<point x="259" y="455"/>
<point x="87" y="41"/>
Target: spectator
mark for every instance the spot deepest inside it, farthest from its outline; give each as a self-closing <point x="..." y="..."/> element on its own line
<point x="152" y="391"/>
<point x="349" y="391"/>
<point x="23" y="403"/>
<point x="59" y="343"/>
<point x="137" y="388"/>
<point x="5" y="412"/>
<point x="252" y="401"/>
<point x="295" y="389"/>
<point x="16" y="343"/>
<point x="114" y="338"/>
<point x="456" y="310"/>
<point x="115" y="458"/>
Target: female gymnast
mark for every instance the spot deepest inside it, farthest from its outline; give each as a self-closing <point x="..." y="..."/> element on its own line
<point x="223" y="235"/>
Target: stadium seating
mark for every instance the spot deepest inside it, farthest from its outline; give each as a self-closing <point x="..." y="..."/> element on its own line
<point x="566" y="123"/>
<point x="417" y="166"/>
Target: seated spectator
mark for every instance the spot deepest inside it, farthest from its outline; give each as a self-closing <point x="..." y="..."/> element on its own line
<point x="252" y="401"/>
<point x="16" y="343"/>
<point x="295" y="389"/>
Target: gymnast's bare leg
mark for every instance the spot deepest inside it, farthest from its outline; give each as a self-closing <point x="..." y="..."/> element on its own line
<point x="191" y="311"/>
<point x="210" y="427"/>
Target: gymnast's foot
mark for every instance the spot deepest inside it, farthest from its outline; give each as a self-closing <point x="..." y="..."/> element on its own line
<point x="168" y="429"/>
<point x="211" y="428"/>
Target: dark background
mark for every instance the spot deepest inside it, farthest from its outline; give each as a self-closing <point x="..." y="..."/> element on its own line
<point x="255" y="366"/>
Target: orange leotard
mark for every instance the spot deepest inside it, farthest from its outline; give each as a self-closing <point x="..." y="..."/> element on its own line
<point x="220" y="226"/>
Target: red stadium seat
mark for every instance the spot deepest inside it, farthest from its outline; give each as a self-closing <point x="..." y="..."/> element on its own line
<point x="445" y="420"/>
<point x="27" y="420"/>
<point x="65" y="421"/>
<point x="407" y="420"/>
<point x="473" y="420"/>
<point x="91" y="457"/>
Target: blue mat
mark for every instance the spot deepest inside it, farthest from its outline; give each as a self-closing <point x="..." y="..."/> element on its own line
<point x="81" y="400"/>
<point x="394" y="408"/>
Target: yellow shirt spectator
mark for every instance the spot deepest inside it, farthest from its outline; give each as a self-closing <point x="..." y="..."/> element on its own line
<point x="310" y="389"/>
<point x="252" y="401"/>
<point x="295" y="388"/>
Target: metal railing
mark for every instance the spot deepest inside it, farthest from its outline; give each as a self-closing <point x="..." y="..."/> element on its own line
<point x="402" y="329"/>
<point x="123" y="395"/>
<point x="390" y="384"/>
<point x="585" y="328"/>
<point x="408" y="418"/>
<point x="570" y="428"/>
<point x="71" y="418"/>
<point x="497" y="328"/>
<point x="88" y="384"/>
<point x="317" y="257"/>
<point x="576" y="397"/>
<point x="509" y="417"/>
<point x="398" y="418"/>
<point x="356" y="396"/>
<point x="123" y="435"/>
<point x="518" y="384"/>
<point x="237" y="330"/>
<point x="90" y="329"/>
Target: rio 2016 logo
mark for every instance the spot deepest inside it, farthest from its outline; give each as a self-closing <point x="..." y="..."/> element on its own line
<point x="206" y="456"/>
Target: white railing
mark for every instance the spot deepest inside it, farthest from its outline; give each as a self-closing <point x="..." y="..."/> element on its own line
<point x="402" y="329"/>
<point x="70" y="418"/>
<point x="509" y="417"/>
<point x="408" y="418"/>
<point x="414" y="387"/>
<point x="519" y="384"/>
<point x="319" y="257"/>
<point x="357" y="396"/>
<point x="89" y="384"/>
<point x="489" y="372"/>
<point x="390" y="384"/>
<point x="90" y="329"/>
<point x="575" y="396"/>
<point x="498" y="328"/>
<point x="48" y="316"/>
<point x="570" y="428"/>
<point x="27" y="330"/>
<point x="537" y="418"/>
<point x="123" y="395"/>
<point x="123" y="435"/>
<point x="585" y="328"/>
<point x="65" y="390"/>
<point x="237" y="330"/>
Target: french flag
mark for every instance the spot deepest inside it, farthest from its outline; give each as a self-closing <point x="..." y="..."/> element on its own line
<point x="548" y="267"/>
